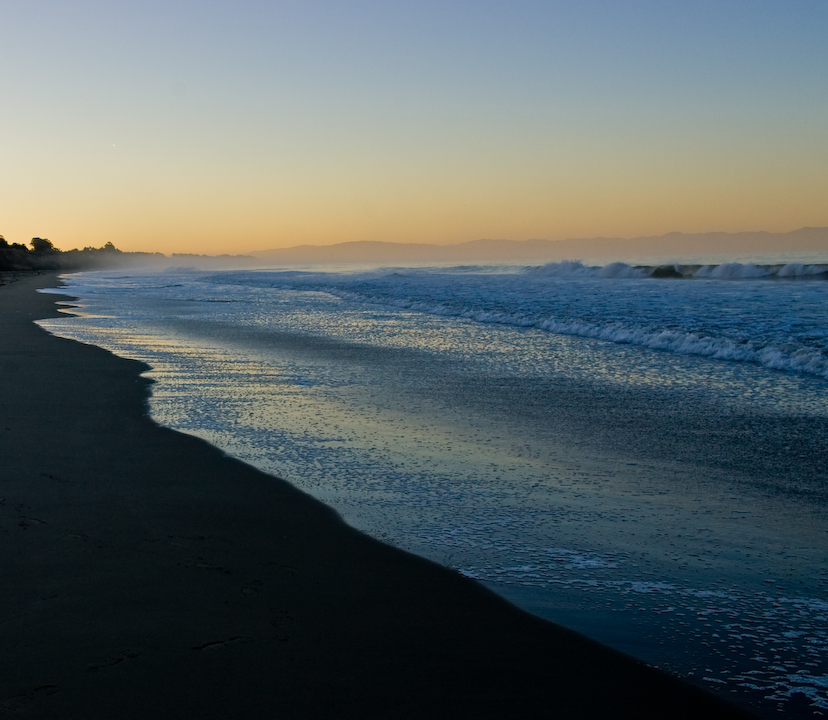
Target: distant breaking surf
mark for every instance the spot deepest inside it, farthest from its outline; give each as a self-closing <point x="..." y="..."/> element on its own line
<point x="724" y="271"/>
<point x="721" y="312"/>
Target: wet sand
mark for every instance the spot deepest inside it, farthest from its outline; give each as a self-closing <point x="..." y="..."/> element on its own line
<point x="147" y="574"/>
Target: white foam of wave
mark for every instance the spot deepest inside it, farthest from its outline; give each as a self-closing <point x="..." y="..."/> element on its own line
<point x="793" y="270"/>
<point x="732" y="271"/>
<point x="621" y="270"/>
<point x="725" y="271"/>
<point x="575" y="268"/>
<point x="565" y="268"/>
<point x="784" y="685"/>
<point x="574" y="559"/>
<point x="812" y="361"/>
<point x="752" y="337"/>
<point x="809" y="604"/>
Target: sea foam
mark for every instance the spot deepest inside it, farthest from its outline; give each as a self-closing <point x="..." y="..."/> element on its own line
<point x="724" y="312"/>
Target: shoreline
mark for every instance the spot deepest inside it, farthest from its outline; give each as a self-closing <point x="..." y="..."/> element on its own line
<point x="147" y="572"/>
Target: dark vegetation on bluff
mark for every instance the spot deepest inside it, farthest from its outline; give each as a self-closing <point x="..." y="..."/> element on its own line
<point x="44" y="256"/>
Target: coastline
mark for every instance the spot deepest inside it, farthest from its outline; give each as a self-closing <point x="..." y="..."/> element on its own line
<point x="147" y="572"/>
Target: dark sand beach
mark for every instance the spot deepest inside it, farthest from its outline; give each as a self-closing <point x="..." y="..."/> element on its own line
<point x="146" y="574"/>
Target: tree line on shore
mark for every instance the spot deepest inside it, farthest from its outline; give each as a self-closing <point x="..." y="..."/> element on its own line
<point x="44" y="256"/>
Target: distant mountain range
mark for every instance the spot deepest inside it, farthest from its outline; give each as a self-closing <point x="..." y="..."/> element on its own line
<point x="807" y="240"/>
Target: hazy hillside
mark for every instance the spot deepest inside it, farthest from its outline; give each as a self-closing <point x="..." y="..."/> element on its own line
<point x="805" y="240"/>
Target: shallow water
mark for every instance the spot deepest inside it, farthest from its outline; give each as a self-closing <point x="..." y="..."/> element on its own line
<point x="665" y="501"/>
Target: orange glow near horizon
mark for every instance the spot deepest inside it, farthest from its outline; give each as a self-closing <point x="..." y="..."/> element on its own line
<point x="281" y="127"/>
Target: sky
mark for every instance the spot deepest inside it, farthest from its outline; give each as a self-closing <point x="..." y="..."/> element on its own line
<point x="218" y="127"/>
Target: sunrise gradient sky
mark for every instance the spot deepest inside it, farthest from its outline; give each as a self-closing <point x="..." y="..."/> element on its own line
<point x="230" y="127"/>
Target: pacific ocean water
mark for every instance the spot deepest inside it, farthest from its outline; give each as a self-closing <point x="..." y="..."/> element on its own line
<point x="641" y="459"/>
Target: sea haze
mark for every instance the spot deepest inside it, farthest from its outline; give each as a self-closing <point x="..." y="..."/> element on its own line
<point x="641" y="459"/>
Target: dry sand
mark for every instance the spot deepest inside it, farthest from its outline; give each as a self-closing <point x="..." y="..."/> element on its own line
<point x="145" y="574"/>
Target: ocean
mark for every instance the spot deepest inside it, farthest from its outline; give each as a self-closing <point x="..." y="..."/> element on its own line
<point x="640" y="458"/>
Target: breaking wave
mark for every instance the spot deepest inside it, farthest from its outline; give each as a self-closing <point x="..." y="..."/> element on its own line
<point x="724" y="271"/>
<point x="781" y="325"/>
<point x="811" y="360"/>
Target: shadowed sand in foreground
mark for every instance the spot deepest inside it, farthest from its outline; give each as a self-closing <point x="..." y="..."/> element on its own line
<point x="146" y="574"/>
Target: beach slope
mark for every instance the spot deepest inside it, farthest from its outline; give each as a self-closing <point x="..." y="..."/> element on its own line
<point x="146" y="574"/>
